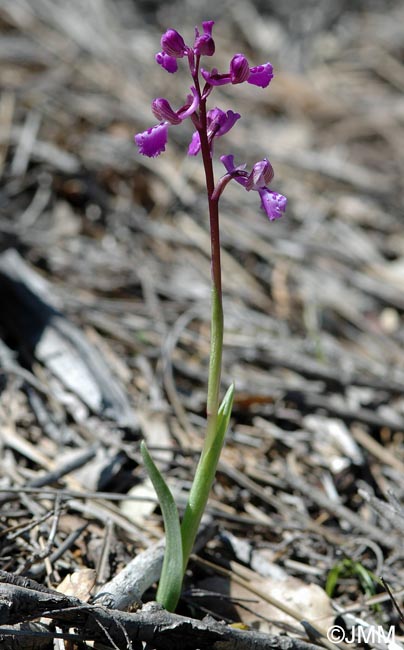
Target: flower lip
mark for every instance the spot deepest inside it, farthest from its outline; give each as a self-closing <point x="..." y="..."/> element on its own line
<point x="167" y="62"/>
<point x="272" y="203"/>
<point x="152" y="142"/>
<point x="261" y="75"/>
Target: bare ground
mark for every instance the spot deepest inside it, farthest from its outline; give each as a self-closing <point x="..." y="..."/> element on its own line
<point x="104" y="316"/>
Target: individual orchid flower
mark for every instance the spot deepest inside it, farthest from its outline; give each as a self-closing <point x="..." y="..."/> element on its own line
<point x="153" y="142"/>
<point x="273" y="203"/>
<point x="204" y="44"/>
<point x="240" y="71"/>
<point x="218" y="123"/>
<point x="173" y="47"/>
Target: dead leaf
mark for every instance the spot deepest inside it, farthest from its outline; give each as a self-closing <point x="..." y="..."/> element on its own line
<point x="78" y="584"/>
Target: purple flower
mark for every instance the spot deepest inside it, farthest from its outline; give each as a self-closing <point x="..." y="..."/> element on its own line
<point x="204" y="44"/>
<point x="273" y="203"/>
<point x="174" y="47"/>
<point x="261" y="75"/>
<point x="218" y="123"/>
<point x="162" y="110"/>
<point x="153" y="141"/>
<point x="239" y="71"/>
<point x="173" y="44"/>
<point x="214" y="123"/>
<point x="167" y="62"/>
<point x="261" y="175"/>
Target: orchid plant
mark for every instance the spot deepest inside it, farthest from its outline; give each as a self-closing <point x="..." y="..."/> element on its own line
<point x="208" y="124"/>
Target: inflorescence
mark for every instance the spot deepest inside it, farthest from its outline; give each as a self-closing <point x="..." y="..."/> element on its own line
<point x="216" y="122"/>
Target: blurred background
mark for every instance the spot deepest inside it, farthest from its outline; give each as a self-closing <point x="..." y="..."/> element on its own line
<point x="118" y="244"/>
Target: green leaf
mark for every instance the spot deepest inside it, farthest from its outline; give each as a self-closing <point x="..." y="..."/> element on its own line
<point x="223" y="416"/>
<point x="205" y="475"/>
<point x="169" y="589"/>
<point x="332" y="579"/>
<point x="366" y="578"/>
<point x="348" y="568"/>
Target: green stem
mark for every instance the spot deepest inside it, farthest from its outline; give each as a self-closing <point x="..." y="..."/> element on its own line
<point x="206" y="469"/>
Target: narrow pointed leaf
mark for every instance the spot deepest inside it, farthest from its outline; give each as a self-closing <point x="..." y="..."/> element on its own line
<point x="169" y="589"/>
<point x="205" y="475"/>
<point x="225" y="412"/>
<point x="223" y="418"/>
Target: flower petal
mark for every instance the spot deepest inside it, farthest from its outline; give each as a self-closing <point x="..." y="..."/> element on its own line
<point x="261" y="175"/>
<point x="167" y="62"/>
<point x="214" y="78"/>
<point x="239" y="69"/>
<point x="162" y="110"/>
<point x="191" y="105"/>
<point x="261" y="75"/>
<point x="195" y="145"/>
<point x="153" y="141"/>
<point x="204" y="44"/>
<point x="228" y="162"/>
<point x="229" y="121"/>
<point x="173" y="44"/>
<point x="273" y="203"/>
<point x="208" y="26"/>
